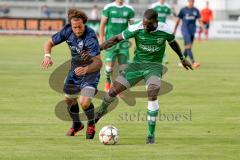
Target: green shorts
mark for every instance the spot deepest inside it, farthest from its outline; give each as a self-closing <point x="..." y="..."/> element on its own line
<point x="135" y="72"/>
<point x="119" y="51"/>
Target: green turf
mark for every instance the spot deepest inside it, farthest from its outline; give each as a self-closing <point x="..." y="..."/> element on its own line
<point x="29" y="129"/>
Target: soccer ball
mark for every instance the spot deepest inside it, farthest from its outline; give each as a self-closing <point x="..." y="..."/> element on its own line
<point x="109" y="135"/>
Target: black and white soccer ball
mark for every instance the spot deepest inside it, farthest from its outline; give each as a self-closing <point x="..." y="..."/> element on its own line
<point x="109" y="135"/>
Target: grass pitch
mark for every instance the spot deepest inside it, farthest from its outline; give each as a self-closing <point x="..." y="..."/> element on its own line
<point x="200" y="117"/>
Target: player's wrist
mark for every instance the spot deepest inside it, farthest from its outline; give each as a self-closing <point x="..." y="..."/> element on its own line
<point x="182" y="58"/>
<point x="47" y="55"/>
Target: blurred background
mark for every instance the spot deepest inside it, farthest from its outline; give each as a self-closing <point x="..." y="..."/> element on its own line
<point x="25" y="16"/>
<point x="223" y="9"/>
<point x="30" y="130"/>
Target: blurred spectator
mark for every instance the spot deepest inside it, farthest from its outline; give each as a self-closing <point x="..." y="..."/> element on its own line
<point x="206" y="17"/>
<point x="5" y="9"/>
<point x="95" y="13"/>
<point x="45" y="12"/>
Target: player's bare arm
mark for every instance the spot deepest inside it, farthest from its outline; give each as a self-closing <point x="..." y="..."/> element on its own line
<point x="93" y="67"/>
<point x="102" y="29"/>
<point x="111" y="42"/>
<point x="176" y="25"/>
<point x="47" y="61"/>
<point x="201" y="25"/>
<point x="175" y="46"/>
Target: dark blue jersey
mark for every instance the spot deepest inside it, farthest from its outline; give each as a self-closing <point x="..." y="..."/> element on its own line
<point x="88" y="41"/>
<point x="189" y="17"/>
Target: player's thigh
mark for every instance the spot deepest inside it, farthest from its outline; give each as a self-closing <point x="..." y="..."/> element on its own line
<point x="71" y="87"/>
<point x="153" y="80"/>
<point x="123" y="57"/>
<point x="123" y="54"/>
<point x="110" y="55"/>
<point x="131" y="75"/>
<point x="70" y="101"/>
<point x="192" y="38"/>
<point x="186" y="38"/>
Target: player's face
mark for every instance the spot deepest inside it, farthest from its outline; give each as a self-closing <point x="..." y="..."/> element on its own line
<point x="78" y="27"/>
<point x="150" y="24"/>
<point x="120" y="1"/>
<point x="162" y="1"/>
<point x="190" y="3"/>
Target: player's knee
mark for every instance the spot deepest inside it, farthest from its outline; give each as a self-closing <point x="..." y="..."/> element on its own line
<point x="70" y="101"/>
<point x="153" y="90"/>
<point x="108" y="68"/>
<point x="84" y="103"/>
<point x="122" y="67"/>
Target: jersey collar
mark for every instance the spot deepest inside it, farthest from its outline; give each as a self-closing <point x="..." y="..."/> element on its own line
<point x="118" y="5"/>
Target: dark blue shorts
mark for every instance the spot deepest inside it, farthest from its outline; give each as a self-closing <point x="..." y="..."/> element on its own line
<point x="206" y="25"/>
<point x="74" y="84"/>
<point x="188" y="37"/>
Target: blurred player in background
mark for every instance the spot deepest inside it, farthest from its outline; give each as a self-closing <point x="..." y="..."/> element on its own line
<point x="206" y="17"/>
<point x="163" y="10"/>
<point x="83" y="77"/>
<point x="150" y="37"/>
<point x="189" y="15"/>
<point x="115" y="18"/>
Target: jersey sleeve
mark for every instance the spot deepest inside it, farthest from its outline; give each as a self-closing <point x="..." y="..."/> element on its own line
<point x="105" y="12"/>
<point x="132" y="14"/>
<point x="181" y="14"/>
<point x="170" y="37"/>
<point x="169" y="33"/>
<point x="127" y="34"/>
<point x="93" y="46"/>
<point x="61" y="36"/>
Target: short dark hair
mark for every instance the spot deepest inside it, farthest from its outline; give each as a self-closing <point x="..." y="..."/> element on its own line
<point x="150" y="14"/>
<point x="75" y="13"/>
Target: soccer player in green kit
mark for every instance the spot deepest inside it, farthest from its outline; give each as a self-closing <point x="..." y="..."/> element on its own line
<point x="163" y="10"/>
<point x="115" y="18"/>
<point x="150" y="36"/>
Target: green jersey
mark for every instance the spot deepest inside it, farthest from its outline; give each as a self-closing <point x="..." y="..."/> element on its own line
<point x="118" y="18"/>
<point x="163" y="11"/>
<point x="150" y="47"/>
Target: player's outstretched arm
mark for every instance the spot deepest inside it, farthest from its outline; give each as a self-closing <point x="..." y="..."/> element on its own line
<point x="102" y="29"/>
<point x="47" y="61"/>
<point x="111" y="42"/>
<point x="175" y="46"/>
<point x="95" y="66"/>
<point x="176" y="26"/>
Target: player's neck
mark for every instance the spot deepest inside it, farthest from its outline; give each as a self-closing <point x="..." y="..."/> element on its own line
<point x="162" y="3"/>
<point x="119" y="3"/>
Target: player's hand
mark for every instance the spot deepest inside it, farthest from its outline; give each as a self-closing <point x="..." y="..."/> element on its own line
<point x="47" y="62"/>
<point x="186" y="64"/>
<point x="80" y="71"/>
<point x="85" y="55"/>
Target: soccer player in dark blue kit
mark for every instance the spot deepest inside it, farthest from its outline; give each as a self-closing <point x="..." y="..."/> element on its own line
<point x="83" y="77"/>
<point x="189" y="15"/>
